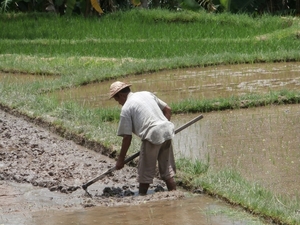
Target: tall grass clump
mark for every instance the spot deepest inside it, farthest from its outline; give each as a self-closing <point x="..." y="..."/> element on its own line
<point x="192" y="167"/>
<point x="189" y="169"/>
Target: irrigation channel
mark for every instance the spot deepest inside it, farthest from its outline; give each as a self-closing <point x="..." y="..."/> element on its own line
<point x="261" y="143"/>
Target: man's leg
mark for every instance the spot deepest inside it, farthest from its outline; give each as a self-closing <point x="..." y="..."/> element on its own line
<point x="171" y="184"/>
<point x="147" y="165"/>
<point x="166" y="164"/>
<point x="143" y="188"/>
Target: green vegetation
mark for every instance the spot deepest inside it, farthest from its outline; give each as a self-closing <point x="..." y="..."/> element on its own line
<point x="195" y="37"/>
<point x="233" y="188"/>
<point x="235" y="102"/>
<point x="69" y="52"/>
<point x="82" y="7"/>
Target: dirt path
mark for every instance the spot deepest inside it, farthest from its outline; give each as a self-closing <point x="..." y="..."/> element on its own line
<point x="41" y="171"/>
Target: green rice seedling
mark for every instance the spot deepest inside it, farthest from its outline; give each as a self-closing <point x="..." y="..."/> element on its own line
<point x="78" y="36"/>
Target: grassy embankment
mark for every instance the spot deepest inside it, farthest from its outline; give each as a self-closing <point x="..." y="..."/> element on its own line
<point x="77" y="51"/>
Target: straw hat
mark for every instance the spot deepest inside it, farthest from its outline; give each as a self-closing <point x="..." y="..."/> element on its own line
<point x="116" y="87"/>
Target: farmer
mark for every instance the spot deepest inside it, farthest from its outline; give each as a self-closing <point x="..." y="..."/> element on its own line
<point x="148" y="117"/>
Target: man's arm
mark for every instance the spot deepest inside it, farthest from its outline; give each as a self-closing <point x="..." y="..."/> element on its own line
<point x="167" y="111"/>
<point x="125" y="146"/>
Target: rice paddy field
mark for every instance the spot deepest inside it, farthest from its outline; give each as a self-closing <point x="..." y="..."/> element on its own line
<point x="240" y="72"/>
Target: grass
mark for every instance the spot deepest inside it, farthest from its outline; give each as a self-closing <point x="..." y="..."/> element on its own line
<point x="152" y="26"/>
<point x="189" y="35"/>
<point x="230" y="186"/>
<point x="76" y="51"/>
<point x="235" y="102"/>
<point x="236" y="215"/>
<point x="233" y="188"/>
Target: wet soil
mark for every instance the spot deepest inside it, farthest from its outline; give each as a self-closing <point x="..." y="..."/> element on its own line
<point x="42" y="171"/>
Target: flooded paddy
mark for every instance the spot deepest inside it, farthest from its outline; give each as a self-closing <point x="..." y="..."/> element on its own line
<point x="40" y="173"/>
<point x="261" y="143"/>
<point x="197" y="83"/>
<point x="200" y="210"/>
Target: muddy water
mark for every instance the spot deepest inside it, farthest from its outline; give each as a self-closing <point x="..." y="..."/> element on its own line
<point x="197" y="83"/>
<point x="36" y="206"/>
<point x="261" y="143"/>
<point x="199" y="210"/>
<point x="264" y="141"/>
